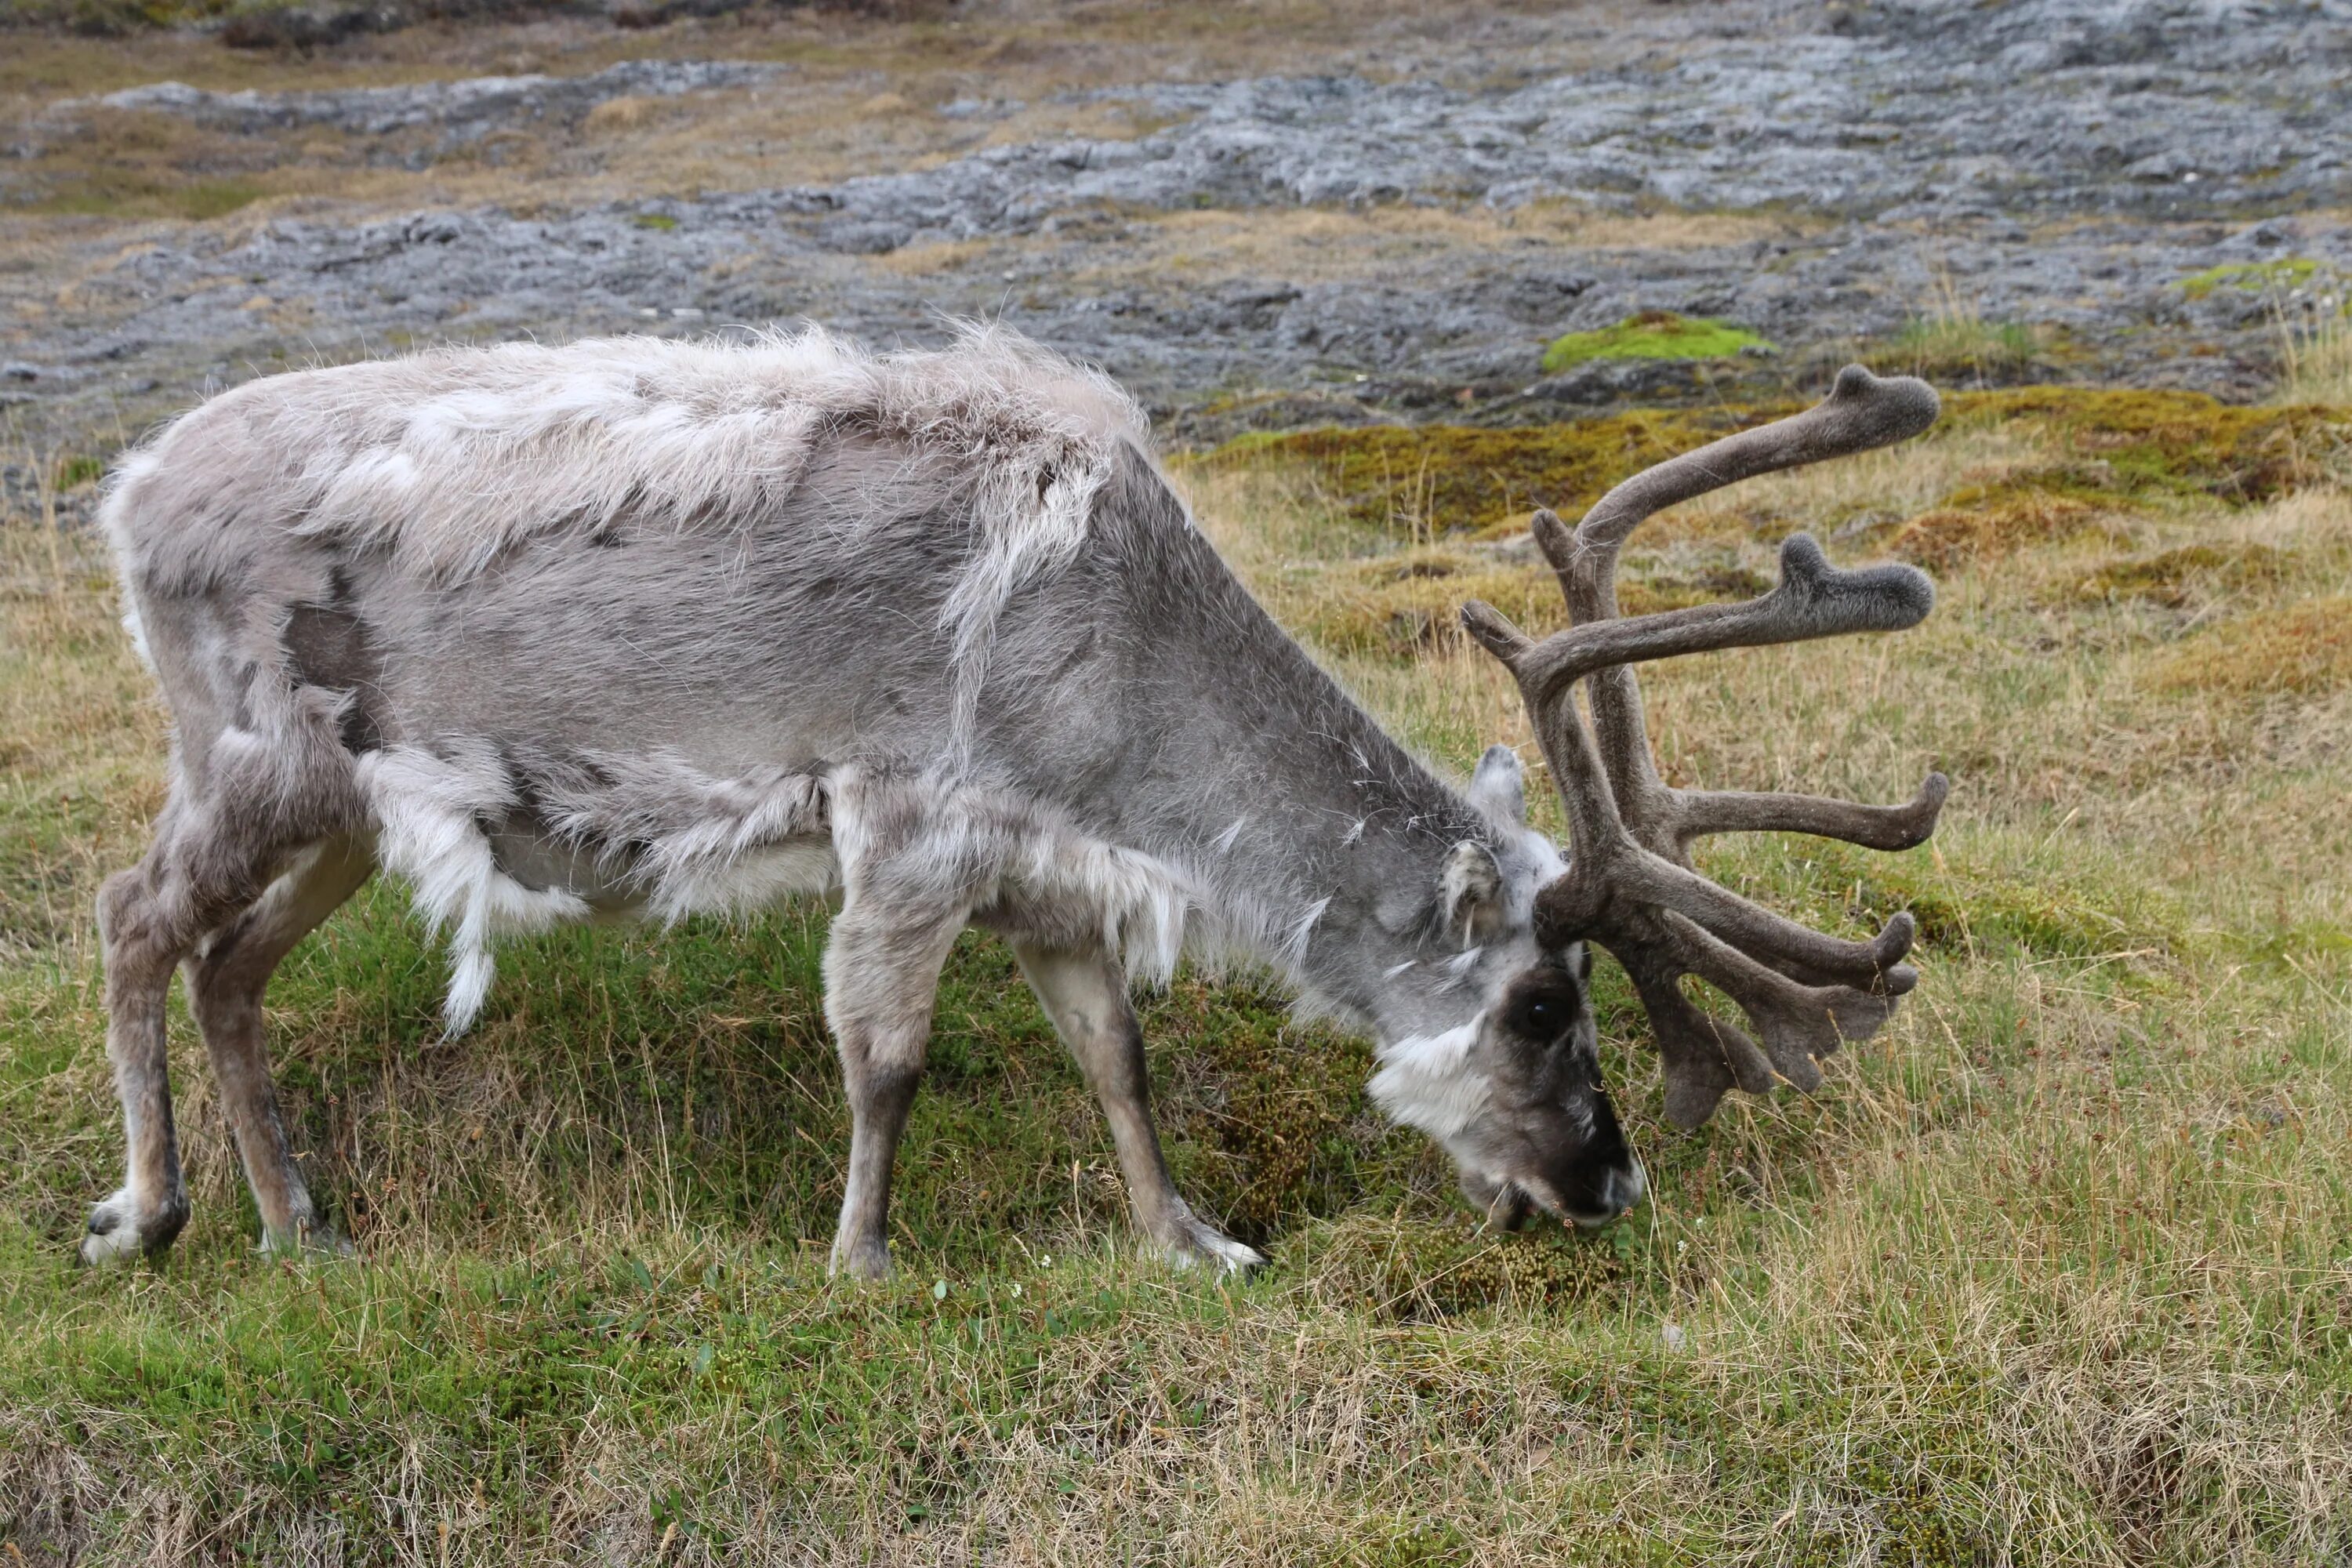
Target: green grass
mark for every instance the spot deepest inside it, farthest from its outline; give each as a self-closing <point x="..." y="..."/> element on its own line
<point x="2053" y="1271"/>
<point x="1652" y="334"/>
<point x="2251" y="276"/>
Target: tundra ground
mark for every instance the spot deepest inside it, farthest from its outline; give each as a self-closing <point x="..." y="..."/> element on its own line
<point x="2057" y="1269"/>
<point x="2054" y="1270"/>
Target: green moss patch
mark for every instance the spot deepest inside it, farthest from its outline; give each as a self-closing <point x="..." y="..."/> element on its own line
<point x="2251" y="276"/>
<point x="2156" y="444"/>
<point x="1449" y="476"/>
<point x="2116" y="450"/>
<point x="1652" y="334"/>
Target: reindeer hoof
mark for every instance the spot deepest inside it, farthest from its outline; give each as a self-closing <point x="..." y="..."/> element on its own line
<point x="118" y="1233"/>
<point x="310" y="1241"/>
<point x="868" y="1260"/>
<point x="1190" y="1244"/>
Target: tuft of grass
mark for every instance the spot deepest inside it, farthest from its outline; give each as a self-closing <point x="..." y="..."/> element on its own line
<point x="1954" y="347"/>
<point x="1989" y="525"/>
<point x="2303" y="648"/>
<point x="2315" y="352"/>
<point x="1652" y="334"/>
<point x="2251" y="276"/>
<point x="2186" y="575"/>
<point x="662" y="222"/>
<point x="1952" y="342"/>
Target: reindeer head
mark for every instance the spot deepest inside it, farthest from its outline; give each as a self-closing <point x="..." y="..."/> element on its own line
<point x="1517" y="1096"/>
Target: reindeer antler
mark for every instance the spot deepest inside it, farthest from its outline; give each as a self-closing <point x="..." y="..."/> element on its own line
<point x="1630" y="886"/>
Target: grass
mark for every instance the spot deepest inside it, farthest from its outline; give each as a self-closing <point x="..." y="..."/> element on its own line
<point x="2053" y="1271"/>
<point x="1652" y="334"/>
<point x="2284" y="273"/>
<point x="1952" y="343"/>
<point x="2315" y="350"/>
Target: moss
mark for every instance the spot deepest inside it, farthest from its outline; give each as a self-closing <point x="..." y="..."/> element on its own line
<point x="1652" y="334"/>
<point x="2175" y="578"/>
<point x="2303" y="648"/>
<point x="1284" y="1096"/>
<point x="662" y="222"/>
<point x="1987" y="527"/>
<point x="1444" y="476"/>
<point x="2252" y="276"/>
<point x="1960" y="908"/>
<point x="2152" y="446"/>
<point x="2114" y="449"/>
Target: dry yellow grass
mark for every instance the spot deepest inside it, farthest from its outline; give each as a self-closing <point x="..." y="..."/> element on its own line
<point x="2052" y="1272"/>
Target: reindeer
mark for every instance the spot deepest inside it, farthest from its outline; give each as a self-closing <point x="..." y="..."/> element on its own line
<point x="644" y="626"/>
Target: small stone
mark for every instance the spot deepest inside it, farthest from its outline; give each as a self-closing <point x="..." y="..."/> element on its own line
<point x="1672" y="1333"/>
<point x="18" y="370"/>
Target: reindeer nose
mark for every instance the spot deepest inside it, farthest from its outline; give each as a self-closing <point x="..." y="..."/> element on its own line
<point x="1621" y="1189"/>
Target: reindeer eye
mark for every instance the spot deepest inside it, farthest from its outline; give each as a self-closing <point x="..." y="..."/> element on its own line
<point x="1543" y="1017"/>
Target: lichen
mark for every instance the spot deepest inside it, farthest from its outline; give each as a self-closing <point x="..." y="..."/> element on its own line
<point x="1652" y="334"/>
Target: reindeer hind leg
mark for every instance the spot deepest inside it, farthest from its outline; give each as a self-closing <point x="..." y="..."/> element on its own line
<point x="194" y="875"/>
<point x="226" y="977"/>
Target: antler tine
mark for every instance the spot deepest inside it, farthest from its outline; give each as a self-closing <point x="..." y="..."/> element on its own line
<point x="1862" y="412"/>
<point x="1631" y="886"/>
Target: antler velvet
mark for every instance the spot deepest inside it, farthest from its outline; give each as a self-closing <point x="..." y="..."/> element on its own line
<point x="1630" y="885"/>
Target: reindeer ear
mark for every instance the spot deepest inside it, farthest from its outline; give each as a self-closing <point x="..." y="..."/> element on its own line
<point x="1471" y="892"/>
<point x="1499" y="786"/>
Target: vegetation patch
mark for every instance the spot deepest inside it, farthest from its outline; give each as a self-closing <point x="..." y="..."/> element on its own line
<point x="1426" y="1269"/>
<point x="2115" y="448"/>
<point x="2172" y="445"/>
<point x="1652" y="334"/>
<point x="2191" y="573"/>
<point x="1962" y="908"/>
<point x="2251" y="276"/>
<point x="1989" y="526"/>
<point x="2303" y="648"/>
<point x="1948" y="346"/>
<point x="1438" y="477"/>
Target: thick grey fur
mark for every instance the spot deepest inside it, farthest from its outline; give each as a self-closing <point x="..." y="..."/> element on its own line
<point x="630" y="625"/>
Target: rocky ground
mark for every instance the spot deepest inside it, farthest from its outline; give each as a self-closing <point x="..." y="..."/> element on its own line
<point x="1392" y="223"/>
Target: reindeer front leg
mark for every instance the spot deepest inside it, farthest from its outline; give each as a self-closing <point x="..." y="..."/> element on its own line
<point x="1084" y="994"/>
<point x="881" y="977"/>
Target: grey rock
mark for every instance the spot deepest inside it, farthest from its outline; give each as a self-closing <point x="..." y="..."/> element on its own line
<point x="2027" y="162"/>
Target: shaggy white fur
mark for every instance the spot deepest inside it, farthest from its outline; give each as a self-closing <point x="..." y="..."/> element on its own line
<point x="1426" y="1081"/>
<point x="429" y="810"/>
<point x="451" y="457"/>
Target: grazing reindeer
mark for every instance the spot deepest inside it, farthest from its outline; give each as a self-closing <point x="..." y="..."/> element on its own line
<point x="658" y="627"/>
